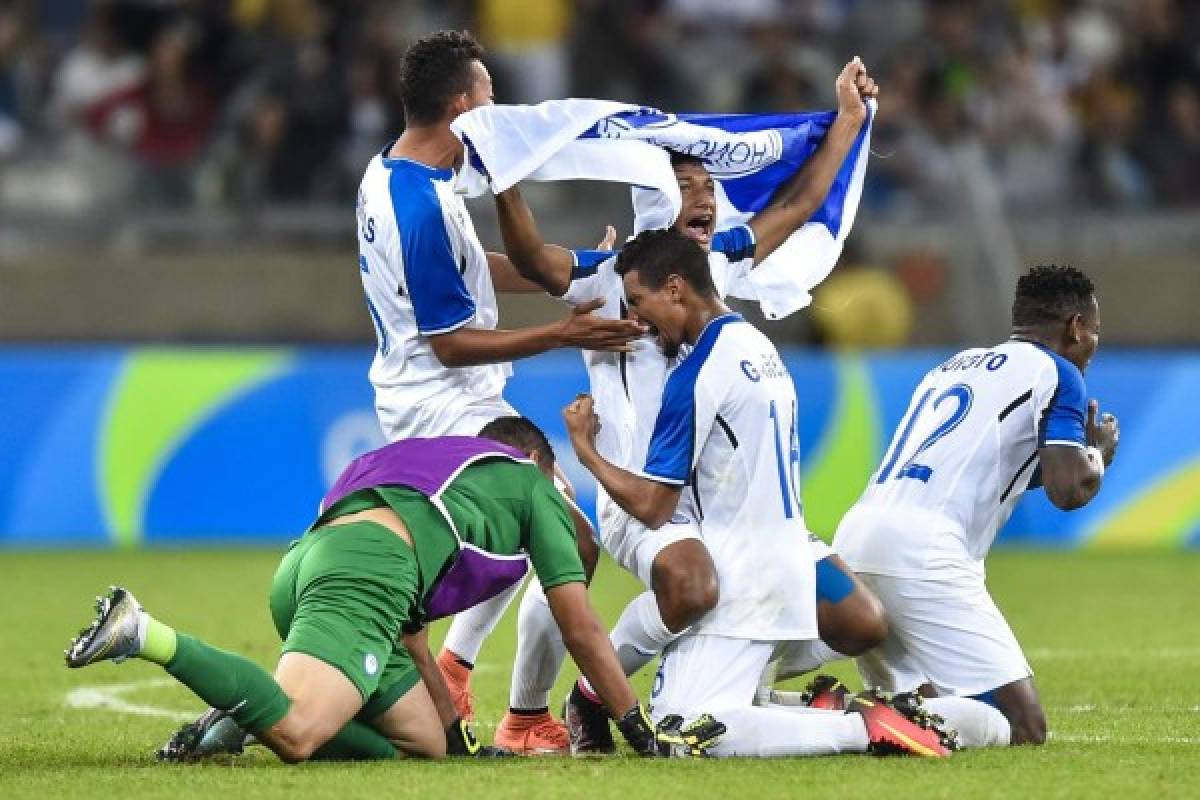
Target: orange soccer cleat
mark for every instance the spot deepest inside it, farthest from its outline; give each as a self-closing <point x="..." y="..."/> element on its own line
<point x="458" y="680"/>
<point x="533" y="734"/>
<point x="901" y="726"/>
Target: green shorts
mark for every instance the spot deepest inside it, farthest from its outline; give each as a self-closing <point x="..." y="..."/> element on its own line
<point x="343" y="594"/>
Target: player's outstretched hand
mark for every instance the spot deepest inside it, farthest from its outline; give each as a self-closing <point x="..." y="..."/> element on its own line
<point x="854" y="86"/>
<point x="1105" y="434"/>
<point x="585" y="330"/>
<point x="581" y="421"/>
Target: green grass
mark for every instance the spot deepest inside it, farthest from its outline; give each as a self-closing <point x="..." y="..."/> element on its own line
<point x="1114" y="639"/>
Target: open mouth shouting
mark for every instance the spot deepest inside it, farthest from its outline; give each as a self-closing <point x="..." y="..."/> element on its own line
<point x="699" y="227"/>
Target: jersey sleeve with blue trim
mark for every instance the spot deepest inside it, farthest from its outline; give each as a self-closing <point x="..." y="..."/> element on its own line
<point x="736" y="243"/>
<point x="439" y="295"/>
<point x="1064" y="421"/>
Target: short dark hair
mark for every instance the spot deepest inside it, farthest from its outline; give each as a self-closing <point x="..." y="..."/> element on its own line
<point x="1051" y="293"/>
<point x="434" y="69"/>
<point x="679" y="159"/>
<point x="657" y="254"/>
<point x="518" y="432"/>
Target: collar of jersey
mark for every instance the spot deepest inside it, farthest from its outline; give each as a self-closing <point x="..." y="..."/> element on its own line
<point x="712" y="328"/>
<point x="440" y="173"/>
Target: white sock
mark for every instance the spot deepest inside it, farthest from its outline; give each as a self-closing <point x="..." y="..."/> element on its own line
<point x="806" y="657"/>
<point x="640" y="634"/>
<point x="978" y="724"/>
<point x="540" y="652"/>
<point x="471" y="627"/>
<point x="777" y="731"/>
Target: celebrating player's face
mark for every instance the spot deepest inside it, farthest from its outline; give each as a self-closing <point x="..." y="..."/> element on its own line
<point x="698" y="214"/>
<point x="659" y="309"/>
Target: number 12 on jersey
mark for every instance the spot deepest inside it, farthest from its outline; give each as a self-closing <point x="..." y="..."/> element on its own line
<point x="787" y="463"/>
<point x="963" y="396"/>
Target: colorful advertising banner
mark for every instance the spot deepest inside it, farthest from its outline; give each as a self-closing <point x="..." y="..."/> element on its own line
<point x="133" y="446"/>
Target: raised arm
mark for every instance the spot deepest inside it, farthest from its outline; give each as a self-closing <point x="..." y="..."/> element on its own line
<point x="652" y="503"/>
<point x="796" y="200"/>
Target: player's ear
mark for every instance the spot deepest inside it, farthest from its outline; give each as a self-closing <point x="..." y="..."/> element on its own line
<point x="539" y="458"/>
<point x="1075" y="328"/>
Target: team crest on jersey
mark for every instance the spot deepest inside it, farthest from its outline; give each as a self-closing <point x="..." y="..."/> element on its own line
<point x="370" y="664"/>
<point x="679" y="518"/>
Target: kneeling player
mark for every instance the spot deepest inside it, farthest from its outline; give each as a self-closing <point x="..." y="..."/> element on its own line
<point x="727" y="432"/>
<point x="981" y="428"/>
<point x="414" y="531"/>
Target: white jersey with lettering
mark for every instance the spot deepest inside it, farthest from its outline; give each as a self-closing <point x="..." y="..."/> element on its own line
<point x="965" y="451"/>
<point x="425" y="273"/>
<point x="627" y="387"/>
<point x="726" y="434"/>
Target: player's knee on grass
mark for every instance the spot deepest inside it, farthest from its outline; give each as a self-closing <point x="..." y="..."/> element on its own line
<point x="1019" y="703"/>
<point x="685" y="583"/>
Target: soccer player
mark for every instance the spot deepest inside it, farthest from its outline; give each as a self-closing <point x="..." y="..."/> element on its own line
<point x="982" y="428"/>
<point x="441" y="363"/>
<point x="411" y="532"/>
<point x="723" y="452"/>
<point x="672" y="562"/>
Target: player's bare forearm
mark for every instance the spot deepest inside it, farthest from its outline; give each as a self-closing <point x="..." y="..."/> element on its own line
<point x="587" y="642"/>
<point x="650" y="502"/>
<point x="417" y="645"/>
<point x="797" y="199"/>
<point x="467" y="347"/>
<point x="548" y="266"/>
<point x="506" y="278"/>
<point x="1071" y="476"/>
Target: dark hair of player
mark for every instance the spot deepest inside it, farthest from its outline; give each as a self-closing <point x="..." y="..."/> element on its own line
<point x="518" y="432"/>
<point x="679" y="159"/>
<point x="657" y="254"/>
<point x="435" y="68"/>
<point x="1050" y="293"/>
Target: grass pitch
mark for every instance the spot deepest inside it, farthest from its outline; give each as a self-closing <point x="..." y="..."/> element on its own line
<point x="1114" y="640"/>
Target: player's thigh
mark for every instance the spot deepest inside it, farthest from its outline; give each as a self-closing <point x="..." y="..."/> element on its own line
<point x="412" y="723"/>
<point x="699" y="674"/>
<point x="954" y="631"/>
<point x="322" y="698"/>
<point x="850" y="617"/>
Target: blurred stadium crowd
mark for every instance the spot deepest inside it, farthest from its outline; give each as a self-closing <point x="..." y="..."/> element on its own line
<point x="239" y="103"/>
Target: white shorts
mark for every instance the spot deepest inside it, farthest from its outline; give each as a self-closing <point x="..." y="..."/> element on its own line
<point x="464" y="420"/>
<point x="699" y="673"/>
<point x="949" y="634"/>
<point x="631" y="544"/>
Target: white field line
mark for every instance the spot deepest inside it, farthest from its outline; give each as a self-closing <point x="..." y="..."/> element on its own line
<point x="1088" y="738"/>
<point x="1065" y="653"/>
<point x="110" y="697"/>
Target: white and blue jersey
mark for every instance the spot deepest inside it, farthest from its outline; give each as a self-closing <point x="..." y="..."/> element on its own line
<point x="627" y="387"/>
<point x="964" y="452"/>
<point x="726" y="433"/>
<point x="425" y="273"/>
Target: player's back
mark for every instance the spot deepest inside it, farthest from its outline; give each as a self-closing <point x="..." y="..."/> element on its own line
<point x="962" y="455"/>
<point x="726" y="433"/>
<point x="424" y="273"/>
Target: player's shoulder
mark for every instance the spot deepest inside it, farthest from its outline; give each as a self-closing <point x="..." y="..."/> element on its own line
<point x="733" y="244"/>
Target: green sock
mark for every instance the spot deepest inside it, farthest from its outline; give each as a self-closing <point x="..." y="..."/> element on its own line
<point x="229" y="682"/>
<point x="160" y="642"/>
<point x="356" y="742"/>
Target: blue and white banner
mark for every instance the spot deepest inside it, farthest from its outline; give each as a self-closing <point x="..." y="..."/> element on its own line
<point x="749" y="155"/>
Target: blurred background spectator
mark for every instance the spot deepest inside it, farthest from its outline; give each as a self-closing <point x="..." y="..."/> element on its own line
<point x="117" y="113"/>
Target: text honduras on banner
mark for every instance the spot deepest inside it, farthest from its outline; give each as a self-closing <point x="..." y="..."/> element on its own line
<point x="749" y="155"/>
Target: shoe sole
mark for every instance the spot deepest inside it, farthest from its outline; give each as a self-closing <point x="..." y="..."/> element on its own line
<point x="907" y="743"/>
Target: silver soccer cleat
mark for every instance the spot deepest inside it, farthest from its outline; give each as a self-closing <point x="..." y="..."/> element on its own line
<point x="213" y="733"/>
<point x="113" y="636"/>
